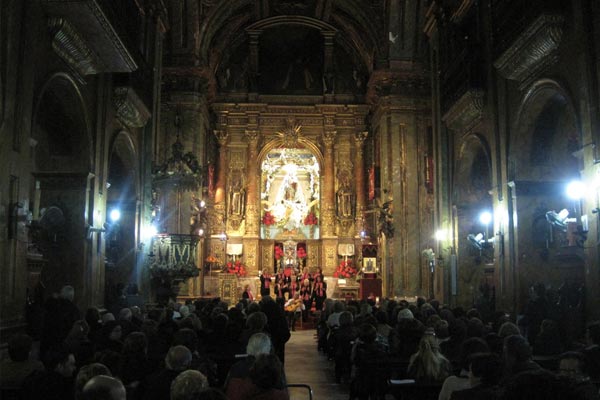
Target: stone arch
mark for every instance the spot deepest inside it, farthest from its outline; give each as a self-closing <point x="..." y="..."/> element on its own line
<point x="545" y="136"/>
<point x="122" y="194"/>
<point x="61" y="126"/>
<point x="471" y="196"/>
<point x="61" y="165"/>
<point x="541" y="160"/>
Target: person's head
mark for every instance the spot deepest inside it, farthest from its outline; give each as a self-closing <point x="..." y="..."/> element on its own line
<point x="507" y="329"/>
<point x="485" y="368"/>
<point x="592" y="333"/>
<point x="186" y="337"/>
<point x="104" y="387"/>
<point x="107" y="317"/>
<point x="125" y="314"/>
<point x="469" y="347"/>
<point x="19" y="347"/>
<point x="112" y="330"/>
<point x="266" y="372"/>
<point x="571" y="364"/>
<point x="86" y="373"/>
<point x="428" y="344"/>
<point x="259" y="343"/>
<point x="367" y="333"/>
<point x="256" y="321"/>
<point x="405" y="313"/>
<point x="60" y="359"/>
<point x="346" y="318"/>
<point x="338" y="307"/>
<point x="306" y="282"/>
<point x="67" y="292"/>
<point x="135" y="343"/>
<point x="92" y="316"/>
<point x="188" y="385"/>
<point x="178" y="358"/>
<point x="516" y="350"/>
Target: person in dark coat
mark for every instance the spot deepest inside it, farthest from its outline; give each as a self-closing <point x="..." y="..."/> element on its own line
<point x="277" y="326"/>
<point x="56" y="382"/>
<point x="60" y="313"/>
<point x="158" y="385"/>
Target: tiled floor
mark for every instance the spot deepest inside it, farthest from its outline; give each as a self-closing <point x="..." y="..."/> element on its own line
<point x="304" y="364"/>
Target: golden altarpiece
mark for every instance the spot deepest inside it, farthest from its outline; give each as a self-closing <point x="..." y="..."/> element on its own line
<point x="290" y="176"/>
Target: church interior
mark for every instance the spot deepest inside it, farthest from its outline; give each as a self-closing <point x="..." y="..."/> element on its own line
<point x="407" y="148"/>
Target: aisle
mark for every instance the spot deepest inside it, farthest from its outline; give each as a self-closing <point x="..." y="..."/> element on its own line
<point x="304" y="364"/>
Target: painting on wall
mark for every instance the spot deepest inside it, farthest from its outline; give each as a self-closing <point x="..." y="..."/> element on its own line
<point x="291" y="61"/>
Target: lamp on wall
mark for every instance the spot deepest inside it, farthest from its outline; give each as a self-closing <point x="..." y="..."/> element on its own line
<point x="575" y="229"/>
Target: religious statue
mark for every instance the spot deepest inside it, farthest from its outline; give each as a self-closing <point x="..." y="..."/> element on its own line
<point x="345" y="197"/>
<point x="237" y="194"/>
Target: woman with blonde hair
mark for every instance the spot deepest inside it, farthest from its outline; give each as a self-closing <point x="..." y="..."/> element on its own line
<point x="428" y="364"/>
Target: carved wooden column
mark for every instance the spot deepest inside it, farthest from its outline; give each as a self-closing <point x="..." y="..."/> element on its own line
<point x="359" y="179"/>
<point x="252" y="216"/>
<point x="328" y="217"/>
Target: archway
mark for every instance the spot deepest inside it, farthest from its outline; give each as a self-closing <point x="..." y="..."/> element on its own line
<point x="121" y="276"/>
<point x="471" y="199"/>
<point x="541" y="162"/>
<point x="61" y="187"/>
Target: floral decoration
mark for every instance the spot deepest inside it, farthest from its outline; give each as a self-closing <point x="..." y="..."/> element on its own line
<point x="278" y="252"/>
<point x="268" y="219"/>
<point x="236" y="268"/>
<point x="345" y="270"/>
<point x="311" y="219"/>
<point x="301" y="252"/>
<point x="211" y="259"/>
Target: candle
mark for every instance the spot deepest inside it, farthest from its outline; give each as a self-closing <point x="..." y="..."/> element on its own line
<point x="36" y="201"/>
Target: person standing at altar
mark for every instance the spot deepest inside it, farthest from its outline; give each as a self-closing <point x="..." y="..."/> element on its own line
<point x="247" y="293"/>
<point x="279" y="284"/>
<point x="319" y="293"/>
<point x="306" y="296"/>
<point x="294" y="285"/>
<point x="306" y="275"/>
<point x="265" y="283"/>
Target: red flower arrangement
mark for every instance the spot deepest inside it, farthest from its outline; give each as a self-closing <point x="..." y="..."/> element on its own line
<point x="236" y="268"/>
<point x="278" y="252"/>
<point x="268" y="219"/>
<point x="301" y="252"/>
<point x="345" y="270"/>
<point x="311" y="219"/>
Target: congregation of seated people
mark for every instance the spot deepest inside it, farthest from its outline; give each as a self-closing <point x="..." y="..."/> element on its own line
<point x="207" y="349"/>
<point x="428" y="351"/>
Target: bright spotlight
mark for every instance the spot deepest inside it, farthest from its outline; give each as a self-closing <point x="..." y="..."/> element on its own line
<point x="485" y="217"/>
<point x="575" y="190"/>
<point x="115" y="215"/>
<point x="149" y="231"/>
<point x="441" y="235"/>
<point x="200" y="232"/>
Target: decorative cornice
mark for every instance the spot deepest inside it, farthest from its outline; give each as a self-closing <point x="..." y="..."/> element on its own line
<point x="95" y="30"/>
<point x="70" y="46"/>
<point x="533" y="50"/>
<point x="131" y="110"/>
<point x="467" y="110"/>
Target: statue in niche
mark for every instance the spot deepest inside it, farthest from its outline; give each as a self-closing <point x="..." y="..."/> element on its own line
<point x="345" y="197"/>
<point x="237" y="195"/>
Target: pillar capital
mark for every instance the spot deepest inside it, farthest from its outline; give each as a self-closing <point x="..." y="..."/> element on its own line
<point x="222" y="136"/>
<point x="360" y="137"/>
<point x="252" y="136"/>
<point x="329" y="137"/>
